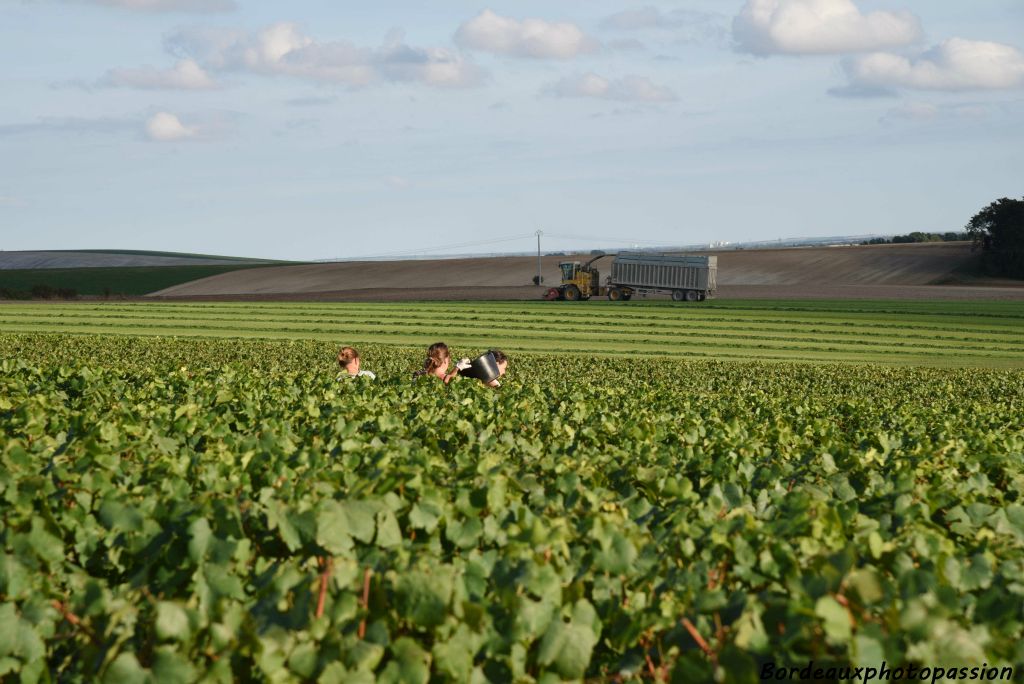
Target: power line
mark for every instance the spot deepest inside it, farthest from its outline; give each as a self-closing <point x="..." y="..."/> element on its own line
<point x="493" y="241"/>
<point x="599" y="238"/>
<point x="427" y="250"/>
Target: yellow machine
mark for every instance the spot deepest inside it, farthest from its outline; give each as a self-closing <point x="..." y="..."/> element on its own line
<point x="583" y="281"/>
<point x="685" y="278"/>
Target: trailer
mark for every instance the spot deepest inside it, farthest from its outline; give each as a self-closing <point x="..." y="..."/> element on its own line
<point x="690" y="278"/>
<point x="685" y="278"/>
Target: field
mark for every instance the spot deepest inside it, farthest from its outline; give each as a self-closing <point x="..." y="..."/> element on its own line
<point x="119" y="280"/>
<point x="878" y="268"/>
<point x="654" y="494"/>
<point x="226" y="510"/>
<point x="970" y="334"/>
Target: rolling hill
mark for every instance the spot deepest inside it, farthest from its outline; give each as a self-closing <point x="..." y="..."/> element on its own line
<point x="872" y="271"/>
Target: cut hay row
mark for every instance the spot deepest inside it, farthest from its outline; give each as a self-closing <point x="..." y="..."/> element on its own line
<point x="990" y="334"/>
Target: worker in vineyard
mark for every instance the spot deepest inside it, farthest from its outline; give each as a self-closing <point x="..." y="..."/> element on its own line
<point x="487" y="368"/>
<point x="436" y="364"/>
<point x="501" y="361"/>
<point x="348" y="360"/>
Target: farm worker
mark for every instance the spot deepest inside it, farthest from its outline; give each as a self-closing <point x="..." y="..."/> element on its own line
<point x="502" y="362"/>
<point x="348" y="359"/>
<point x="486" y="368"/>
<point x="436" y="363"/>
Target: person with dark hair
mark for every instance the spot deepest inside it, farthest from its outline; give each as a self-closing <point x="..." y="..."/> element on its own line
<point x="486" y="368"/>
<point x="348" y="360"/>
<point x="502" y="362"/>
<point x="436" y="364"/>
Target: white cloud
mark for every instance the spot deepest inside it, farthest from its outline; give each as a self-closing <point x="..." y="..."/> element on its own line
<point x="954" y="64"/>
<point x="398" y="182"/>
<point x="626" y="89"/>
<point x="185" y="75"/>
<point x="765" y="27"/>
<point x="168" y="5"/>
<point x="536" y="38"/>
<point x="166" y="127"/>
<point x="282" y="49"/>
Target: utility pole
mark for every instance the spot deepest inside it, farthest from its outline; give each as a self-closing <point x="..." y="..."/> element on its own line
<point x="540" y="278"/>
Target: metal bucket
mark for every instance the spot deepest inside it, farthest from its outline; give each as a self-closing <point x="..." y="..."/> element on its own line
<point x="483" y="368"/>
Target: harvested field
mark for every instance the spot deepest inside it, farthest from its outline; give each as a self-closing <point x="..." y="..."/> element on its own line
<point x="911" y="271"/>
<point x="725" y="292"/>
<point x="917" y="333"/>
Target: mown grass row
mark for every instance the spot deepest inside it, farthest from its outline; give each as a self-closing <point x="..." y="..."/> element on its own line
<point x="810" y="341"/>
<point x="865" y="334"/>
<point x="986" y="334"/>
<point x="987" y="315"/>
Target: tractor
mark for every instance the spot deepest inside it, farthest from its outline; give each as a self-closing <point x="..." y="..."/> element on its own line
<point x="583" y="281"/>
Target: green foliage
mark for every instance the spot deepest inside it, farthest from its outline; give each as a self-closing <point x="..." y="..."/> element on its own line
<point x="918" y="236"/>
<point x="999" y="230"/>
<point x="169" y="507"/>
<point x="48" y="283"/>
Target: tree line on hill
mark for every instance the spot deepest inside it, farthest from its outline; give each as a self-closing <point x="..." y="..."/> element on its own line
<point x="997" y="231"/>
<point x="39" y="292"/>
<point x="918" y="236"/>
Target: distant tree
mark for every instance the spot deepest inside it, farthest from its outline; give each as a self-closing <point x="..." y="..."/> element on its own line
<point x="998" y="230"/>
<point x="918" y="236"/>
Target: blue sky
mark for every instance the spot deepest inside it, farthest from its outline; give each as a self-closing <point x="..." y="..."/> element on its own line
<point x="307" y="130"/>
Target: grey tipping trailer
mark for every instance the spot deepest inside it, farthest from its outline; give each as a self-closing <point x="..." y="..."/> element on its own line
<point x="684" y="277"/>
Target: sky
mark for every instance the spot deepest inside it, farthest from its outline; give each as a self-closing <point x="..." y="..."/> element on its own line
<point x="316" y="129"/>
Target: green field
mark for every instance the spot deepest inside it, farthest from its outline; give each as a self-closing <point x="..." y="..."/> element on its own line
<point x="119" y="280"/>
<point x="189" y="255"/>
<point x="223" y="510"/>
<point x="958" y="334"/>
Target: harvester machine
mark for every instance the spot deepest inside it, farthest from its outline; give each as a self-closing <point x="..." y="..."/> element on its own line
<point x="685" y="278"/>
<point x="580" y="281"/>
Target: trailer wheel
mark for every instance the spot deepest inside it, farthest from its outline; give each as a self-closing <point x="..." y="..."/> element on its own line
<point x="702" y="296"/>
<point x="572" y="293"/>
<point x="677" y="295"/>
<point x="626" y="297"/>
<point x="614" y="294"/>
<point x="691" y="295"/>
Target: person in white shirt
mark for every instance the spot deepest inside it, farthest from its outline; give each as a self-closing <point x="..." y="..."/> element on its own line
<point x="348" y="359"/>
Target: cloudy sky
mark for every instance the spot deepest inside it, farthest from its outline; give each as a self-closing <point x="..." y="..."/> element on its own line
<point x="319" y="129"/>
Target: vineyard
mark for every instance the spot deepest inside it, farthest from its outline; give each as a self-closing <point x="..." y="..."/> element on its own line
<point x="964" y="334"/>
<point x="225" y="510"/>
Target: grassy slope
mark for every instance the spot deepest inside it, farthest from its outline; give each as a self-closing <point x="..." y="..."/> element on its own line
<point x="146" y="252"/>
<point x="920" y="333"/>
<point x="128" y="280"/>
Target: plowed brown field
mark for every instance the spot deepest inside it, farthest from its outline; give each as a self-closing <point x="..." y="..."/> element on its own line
<point x="913" y="271"/>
